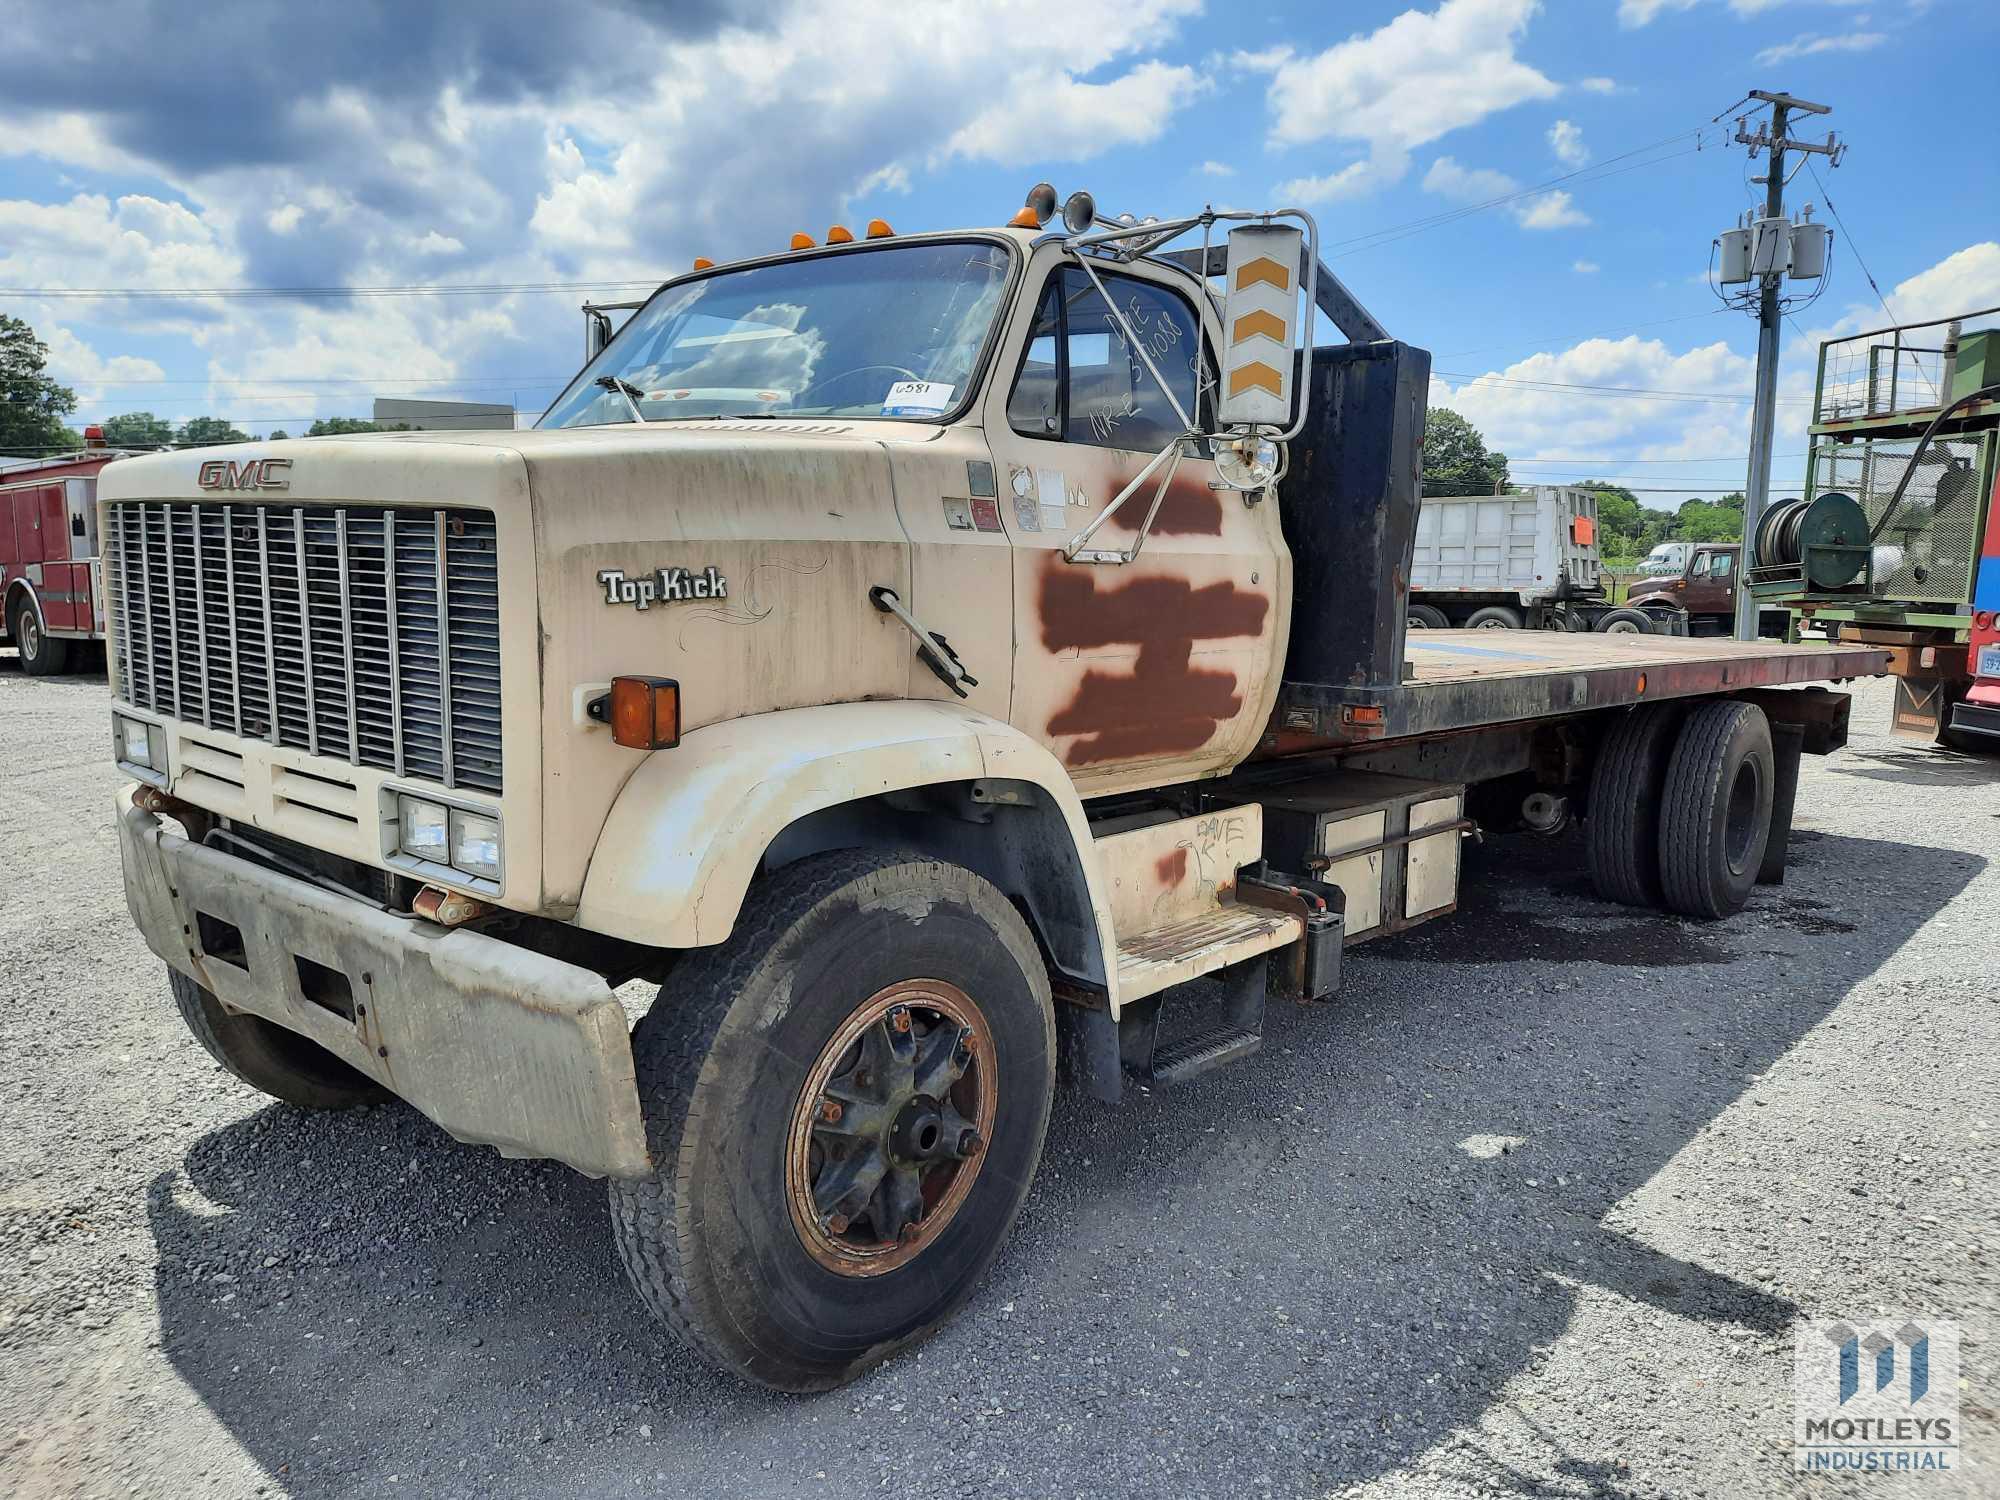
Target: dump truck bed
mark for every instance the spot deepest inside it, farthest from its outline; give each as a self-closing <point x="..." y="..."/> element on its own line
<point x="1472" y="679"/>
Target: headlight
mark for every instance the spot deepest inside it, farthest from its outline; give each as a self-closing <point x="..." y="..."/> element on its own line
<point x="134" y="742"/>
<point x="475" y="844"/>
<point x="426" y="829"/>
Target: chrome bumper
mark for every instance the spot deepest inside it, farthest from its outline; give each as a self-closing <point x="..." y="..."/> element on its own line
<point x="500" y="1046"/>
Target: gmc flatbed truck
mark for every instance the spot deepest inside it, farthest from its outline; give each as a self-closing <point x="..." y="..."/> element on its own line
<point x="904" y="651"/>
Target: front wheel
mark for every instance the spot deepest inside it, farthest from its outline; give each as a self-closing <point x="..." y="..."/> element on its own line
<point x="1624" y="622"/>
<point x="1494" y="617"/>
<point x="845" y="1104"/>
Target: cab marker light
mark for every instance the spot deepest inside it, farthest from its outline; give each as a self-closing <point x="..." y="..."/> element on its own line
<point x="878" y="229"/>
<point x="802" y="241"/>
<point x="840" y="234"/>
<point x="703" y="263"/>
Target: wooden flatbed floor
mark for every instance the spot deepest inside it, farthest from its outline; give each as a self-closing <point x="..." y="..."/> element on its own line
<point x="1466" y="679"/>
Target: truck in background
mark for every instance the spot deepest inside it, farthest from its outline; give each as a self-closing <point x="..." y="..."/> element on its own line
<point x="51" y="590"/>
<point x="1524" y="560"/>
<point x="1702" y="590"/>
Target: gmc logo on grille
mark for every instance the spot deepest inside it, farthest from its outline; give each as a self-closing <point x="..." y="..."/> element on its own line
<point x="251" y="474"/>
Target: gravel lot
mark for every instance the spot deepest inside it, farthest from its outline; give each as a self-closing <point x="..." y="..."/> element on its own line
<point x="1313" y="1273"/>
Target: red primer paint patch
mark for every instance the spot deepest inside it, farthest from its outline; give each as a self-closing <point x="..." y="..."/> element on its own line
<point x="1172" y="868"/>
<point x="1165" y="705"/>
<point x="1190" y="508"/>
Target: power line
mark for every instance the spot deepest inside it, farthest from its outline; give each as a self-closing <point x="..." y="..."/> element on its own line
<point x="1641" y="392"/>
<point x="240" y="293"/>
<point x="1852" y="243"/>
<point x="1724" y="458"/>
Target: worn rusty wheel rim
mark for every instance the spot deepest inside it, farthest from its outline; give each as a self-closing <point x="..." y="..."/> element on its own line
<point x="891" y="1124"/>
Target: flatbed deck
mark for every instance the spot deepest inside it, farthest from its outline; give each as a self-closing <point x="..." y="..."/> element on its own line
<point x="1472" y="679"/>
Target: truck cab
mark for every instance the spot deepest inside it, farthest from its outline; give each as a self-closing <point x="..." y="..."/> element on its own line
<point x="895" y="649"/>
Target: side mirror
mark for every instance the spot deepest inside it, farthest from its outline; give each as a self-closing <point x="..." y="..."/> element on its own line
<point x="596" y="332"/>
<point x="1260" y="325"/>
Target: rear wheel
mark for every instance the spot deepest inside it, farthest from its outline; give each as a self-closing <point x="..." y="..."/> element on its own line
<point x="281" y="1063"/>
<point x="1427" y="617"/>
<point x="1494" y="617"/>
<point x="1622" y="820"/>
<point x="848" y="1096"/>
<point x="1624" y="622"/>
<point x="41" y="654"/>
<point x="1715" y="814"/>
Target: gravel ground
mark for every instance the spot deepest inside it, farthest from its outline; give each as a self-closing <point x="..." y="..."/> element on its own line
<point x="1317" y="1272"/>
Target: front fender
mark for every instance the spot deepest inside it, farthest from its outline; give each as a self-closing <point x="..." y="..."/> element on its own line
<point x="689" y="830"/>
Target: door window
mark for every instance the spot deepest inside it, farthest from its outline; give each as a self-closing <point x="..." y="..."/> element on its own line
<point x="1720" y="565"/>
<point x="1080" y="381"/>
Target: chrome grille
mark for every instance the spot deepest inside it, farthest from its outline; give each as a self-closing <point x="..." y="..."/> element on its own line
<point x="366" y="634"/>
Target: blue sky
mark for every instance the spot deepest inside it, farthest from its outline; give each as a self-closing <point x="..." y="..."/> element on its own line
<point x="514" y="144"/>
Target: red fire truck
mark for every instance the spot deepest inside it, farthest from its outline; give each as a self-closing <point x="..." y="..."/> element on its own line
<point x="49" y="584"/>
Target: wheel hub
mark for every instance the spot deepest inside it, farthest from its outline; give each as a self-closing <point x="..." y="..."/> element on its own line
<point x="890" y="1126"/>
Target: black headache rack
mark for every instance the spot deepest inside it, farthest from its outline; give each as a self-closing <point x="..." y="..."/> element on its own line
<point x="1354" y="676"/>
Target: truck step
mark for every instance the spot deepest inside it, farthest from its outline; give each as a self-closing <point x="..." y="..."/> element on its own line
<point x="1162" y="957"/>
<point x="1198" y="1054"/>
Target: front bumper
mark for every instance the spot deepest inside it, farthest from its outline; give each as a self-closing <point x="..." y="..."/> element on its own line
<point x="1976" y="718"/>
<point x="500" y="1046"/>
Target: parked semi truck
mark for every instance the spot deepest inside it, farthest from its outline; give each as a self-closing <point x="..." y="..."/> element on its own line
<point x="900" y="650"/>
<point x="51" y="597"/>
<point x="1523" y="560"/>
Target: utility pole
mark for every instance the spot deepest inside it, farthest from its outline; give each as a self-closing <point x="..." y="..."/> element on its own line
<point x="1772" y="268"/>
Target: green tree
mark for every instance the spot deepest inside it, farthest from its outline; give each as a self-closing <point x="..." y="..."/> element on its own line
<point x="1734" y="500"/>
<point x="138" y="429"/>
<point x="32" y="405"/>
<point x="1699" y="521"/>
<point x="338" y="426"/>
<point x="1627" y="530"/>
<point x="207" y="432"/>
<point x="1456" y="460"/>
<point x="278" y="432"/>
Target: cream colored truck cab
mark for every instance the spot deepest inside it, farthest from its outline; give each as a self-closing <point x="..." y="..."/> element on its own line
<point x="821" y="656"/>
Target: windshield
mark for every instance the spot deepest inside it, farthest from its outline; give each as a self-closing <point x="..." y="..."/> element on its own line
<point x="890" y="332"/>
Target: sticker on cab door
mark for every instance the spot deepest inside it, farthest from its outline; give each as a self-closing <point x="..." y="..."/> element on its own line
<point x="917" y="398"/>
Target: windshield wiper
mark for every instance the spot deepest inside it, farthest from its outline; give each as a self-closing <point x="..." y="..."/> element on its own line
<point x="629" y="391"/>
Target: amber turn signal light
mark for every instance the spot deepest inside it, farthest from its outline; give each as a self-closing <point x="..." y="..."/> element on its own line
<point x="644" y="712"/>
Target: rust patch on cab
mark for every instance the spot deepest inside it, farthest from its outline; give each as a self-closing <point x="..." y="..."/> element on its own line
<point x="1171" y="868"/>
<point x="1166" y="704"/>
<point x="1189" y="508"/>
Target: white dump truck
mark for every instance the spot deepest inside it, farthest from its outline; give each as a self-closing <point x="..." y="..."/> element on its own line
<point x="900" y="650"/>
<point x="1526" y="559"/>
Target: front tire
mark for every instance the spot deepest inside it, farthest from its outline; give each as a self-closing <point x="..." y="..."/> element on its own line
<point x="1427" y="617"/>
<point x="269" y="1058"/>
<point x="1624" y="622"/>
<point x="1494" y="617"/>
<point x="41" y="654"/>
<point x="845" y="1104"/>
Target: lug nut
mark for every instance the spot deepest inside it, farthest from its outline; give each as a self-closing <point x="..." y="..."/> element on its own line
<point x="969" y="1143"/>
<point x="899" y="1019"/>
<point x="836" y="1223"/>
<point x="829" y="1110"/>
<point x="910" y="1232"/>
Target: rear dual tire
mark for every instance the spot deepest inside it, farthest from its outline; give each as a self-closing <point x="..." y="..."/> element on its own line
<point x="1680" y="807"/>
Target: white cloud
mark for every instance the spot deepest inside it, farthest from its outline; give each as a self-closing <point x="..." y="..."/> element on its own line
<point x="1809" y="45"/>
<point x="1421" y="76"/>
<point x="1350" y="181"/>
<point x="75" y="363"/>
<point x="1056" y="117"/>
<point x="1553" y="210"/>
<point x="1586" y="267"/>
<point x="1217" y="169"/>
<point x="1543" y="210"/>
<point x="1566" y="140"/>
<point x="1598" y="85"/>
<point x="434" y="243"/>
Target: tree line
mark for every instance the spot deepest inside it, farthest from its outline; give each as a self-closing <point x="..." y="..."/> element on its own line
<point x="35" y="410"/>
<point x="1458" y="462"/>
